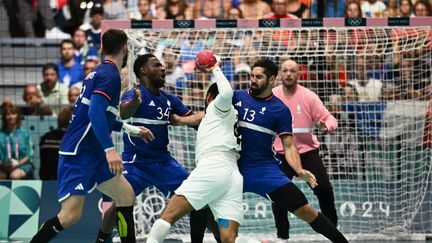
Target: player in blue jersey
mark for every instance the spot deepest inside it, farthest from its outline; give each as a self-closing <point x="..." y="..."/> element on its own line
<point x="88" y="158"/>
<point x="151" y="164"/>
<point x="262" y="116"/>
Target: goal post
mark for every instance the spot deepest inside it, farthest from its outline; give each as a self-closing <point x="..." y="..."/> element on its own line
<point x="373" y="74"/>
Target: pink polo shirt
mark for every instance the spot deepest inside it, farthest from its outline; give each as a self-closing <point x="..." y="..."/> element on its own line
<point x="306" y="108"/>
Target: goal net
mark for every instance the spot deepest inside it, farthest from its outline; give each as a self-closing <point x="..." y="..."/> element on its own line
<point x="376" y="80"/>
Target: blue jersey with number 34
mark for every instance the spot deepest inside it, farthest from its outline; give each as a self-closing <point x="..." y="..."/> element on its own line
<point x="153" y="113"/>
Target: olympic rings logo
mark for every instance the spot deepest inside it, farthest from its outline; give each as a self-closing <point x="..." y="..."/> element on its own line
<point x="184" y="23"/>
<point x="354" y="22"/>
<point x="269" y="22"/>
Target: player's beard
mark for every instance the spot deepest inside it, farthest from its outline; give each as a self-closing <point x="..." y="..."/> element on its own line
<point x="125" y="59"/>
<point x="258" y="90"/>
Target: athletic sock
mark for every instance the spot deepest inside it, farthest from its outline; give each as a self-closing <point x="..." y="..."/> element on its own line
<point x="102" y="236"/>
<point x="159" y="231"/>
<point x="47" y="231"/>
<point x="125" y="224"/>
<point x="325" y="227"/>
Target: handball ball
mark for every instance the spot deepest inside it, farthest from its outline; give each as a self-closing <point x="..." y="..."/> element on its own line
<point x="205" y="60"/>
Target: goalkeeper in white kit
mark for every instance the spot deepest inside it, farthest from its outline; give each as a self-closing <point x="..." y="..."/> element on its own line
<point x="216" y="180"/>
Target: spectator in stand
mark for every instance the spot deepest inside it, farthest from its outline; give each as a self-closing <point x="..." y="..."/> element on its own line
<point x="82" y="50"/>
<point x="144" y="11"/>
<point x="210" y="9"/>
<point x="391" y="92"/>
<point x="15" y="147"/>
<point x="373" y="8"/>
<point x="353" y="10"/>
<point x="255" y="9"/>
<point x="297" y="8"/>
<point x="70" y="71"/>
<point x="89" y="66"/>
<point x="50" y="144"/>
<point x="73" y="14"/>
<point x="332" y="8"/>
<point x="114" y="9"/>
<point x="421" y="9"/>
<point x="242" y="74"/>
<point x="73" y="94"/>
<point x="367" y="89"/>
<point x="33" y="102"/>
<point x="280" y="10"/>
<point x="177" y="9"/>
<point x="6" y="103"/>
<point x="53" y="92"/>
<point x="93" y="31"/>
<point x="21" y="15"/>
<point x="234" y="13"/>
<point x="175" y="76"/>
<point x="392" y="9"/>
<point x="405" y="8"/>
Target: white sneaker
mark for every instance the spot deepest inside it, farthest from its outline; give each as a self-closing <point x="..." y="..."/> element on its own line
<point x="56" y="33"/>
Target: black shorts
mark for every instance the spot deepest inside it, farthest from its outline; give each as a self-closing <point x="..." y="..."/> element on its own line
<point x="288" y="197"/>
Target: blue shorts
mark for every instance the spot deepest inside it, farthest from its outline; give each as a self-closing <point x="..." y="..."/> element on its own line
<point x="166" y="174"/>
<point x="263" y="178"/>
<point x="81" y="173"/>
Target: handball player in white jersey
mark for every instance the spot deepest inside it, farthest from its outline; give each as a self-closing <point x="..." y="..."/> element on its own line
<point x="216" y="180"/>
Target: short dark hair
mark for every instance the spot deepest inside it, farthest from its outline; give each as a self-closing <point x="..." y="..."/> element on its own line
<point x="139" y="62"/>
<point x="50" y="65"/>
<point x="213" y="90"/>
<point x="97" y="9"/>
<point x="67" y="41"/>
<point x="270" y="68"/>
<point x="112" y="41"/>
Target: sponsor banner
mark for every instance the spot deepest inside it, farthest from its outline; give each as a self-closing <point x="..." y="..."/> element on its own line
<point x="25" y="205"/>
<point x="19" y="207"/>
<point x="141" y="24"/>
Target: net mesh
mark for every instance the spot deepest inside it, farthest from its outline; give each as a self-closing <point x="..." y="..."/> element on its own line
<point x="375" y="80"/>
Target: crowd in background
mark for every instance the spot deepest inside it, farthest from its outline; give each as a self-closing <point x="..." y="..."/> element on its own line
<point x="60" y="18"/>
<point x="399" y="69"/>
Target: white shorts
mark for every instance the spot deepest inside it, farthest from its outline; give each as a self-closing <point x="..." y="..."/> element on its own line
<point x="218" y="185"/>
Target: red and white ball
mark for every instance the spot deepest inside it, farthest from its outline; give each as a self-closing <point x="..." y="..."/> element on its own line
<point x="205" y="60"/>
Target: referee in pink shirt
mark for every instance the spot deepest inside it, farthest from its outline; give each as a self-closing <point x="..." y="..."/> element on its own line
<point x="306" y="109"/>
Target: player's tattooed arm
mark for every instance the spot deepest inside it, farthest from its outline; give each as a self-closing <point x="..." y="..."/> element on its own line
<point x="293" y="158"/>
<point x="128" y="108"/>
<point x="191" y="120"/>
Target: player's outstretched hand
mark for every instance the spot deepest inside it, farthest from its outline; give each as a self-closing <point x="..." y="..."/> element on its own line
<point x="308" y="177"/>
<point x="114" y="161"/>
<point x="145" y="134"/>
<point x="137" y="94"/>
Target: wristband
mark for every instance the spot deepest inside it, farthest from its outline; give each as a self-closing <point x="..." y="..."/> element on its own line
<point x="130" y="129"/>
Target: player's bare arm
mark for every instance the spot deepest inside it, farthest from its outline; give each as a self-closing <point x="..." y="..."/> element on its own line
<point x="115" y="163"/>
<point x="192" y="120"/>
<point x="128" y="109"/>
<point x="293" y="158"/>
